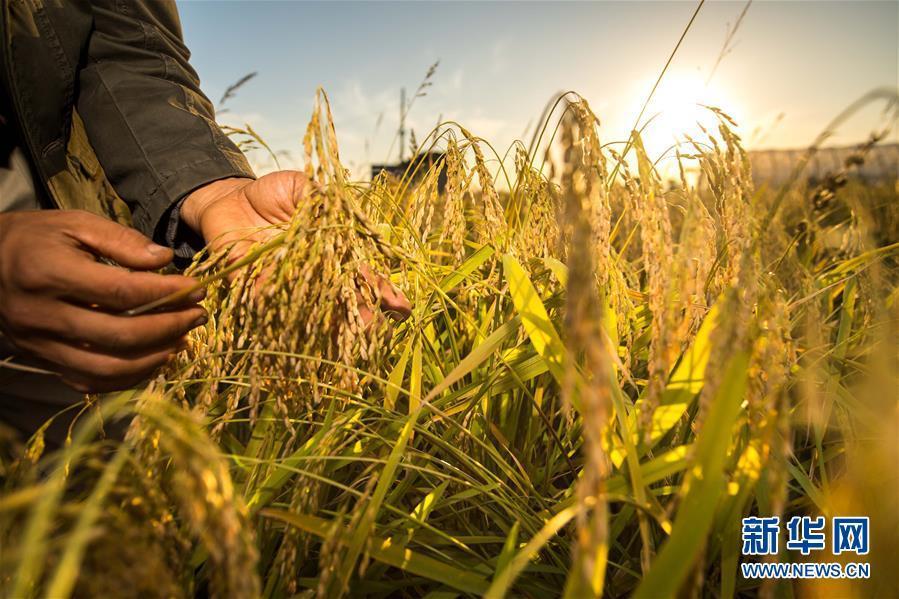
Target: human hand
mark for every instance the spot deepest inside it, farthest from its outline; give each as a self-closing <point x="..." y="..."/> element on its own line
<point x="59" y="304"/>
<point x="235" y="212"/>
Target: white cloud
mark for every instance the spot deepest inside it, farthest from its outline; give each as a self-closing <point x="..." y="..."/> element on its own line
<point x="499" y="55"/>
<point x="455" y="79"/>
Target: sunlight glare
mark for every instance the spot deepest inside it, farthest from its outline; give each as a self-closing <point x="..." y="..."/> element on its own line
<point x="676" y="111"/>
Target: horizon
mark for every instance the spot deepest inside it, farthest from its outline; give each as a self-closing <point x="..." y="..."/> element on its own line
<point x="788" y="69"/>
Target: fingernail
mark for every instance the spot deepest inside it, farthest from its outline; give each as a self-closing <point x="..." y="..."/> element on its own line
<point x="200" y="321"/>
<point x="157" y="250"/>
<point x="197" y="295"/>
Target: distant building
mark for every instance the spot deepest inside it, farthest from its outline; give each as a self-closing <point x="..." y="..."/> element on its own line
<point x="416" y="168"/>
<point x="774" y="167"/>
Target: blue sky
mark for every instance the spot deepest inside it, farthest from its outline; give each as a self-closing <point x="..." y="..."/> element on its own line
<point x="501" y="61"/>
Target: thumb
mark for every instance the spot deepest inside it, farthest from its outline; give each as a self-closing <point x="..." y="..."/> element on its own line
<point x="126" y="246"/>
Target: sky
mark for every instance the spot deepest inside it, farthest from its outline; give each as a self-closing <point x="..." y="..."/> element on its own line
<point x="789" y="68"/>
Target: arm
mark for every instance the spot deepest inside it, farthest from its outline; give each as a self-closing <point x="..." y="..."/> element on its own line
<point x="60" y="304"/>
<point x="151" y="126"/>
<point x="155" y="134"/>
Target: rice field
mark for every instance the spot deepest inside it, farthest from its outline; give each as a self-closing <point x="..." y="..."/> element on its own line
<point x="602" y="374"/>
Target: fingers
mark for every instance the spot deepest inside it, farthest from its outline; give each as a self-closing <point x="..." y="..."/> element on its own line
<point x="94" y="372"/>
<point x="393" y="302"/>
<point x="238" y="245"/>
<point x="275" y="196"/>
<point x="365" y="312"/>
<point x="117" y="289"/>
<point x="55" y="298"/>
<point x="125" y="335"/>
<point x="115" y="376"/>
<point x="121" y="244"/>
<point x="242" y="242"/>
<point x="98" y="352"/>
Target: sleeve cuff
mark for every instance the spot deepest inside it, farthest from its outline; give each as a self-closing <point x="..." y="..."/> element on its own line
<point x="161" y="219"/>
<point x="172" y="232"/>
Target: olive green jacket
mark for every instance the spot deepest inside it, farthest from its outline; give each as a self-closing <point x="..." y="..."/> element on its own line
<point x="107" y="106"/>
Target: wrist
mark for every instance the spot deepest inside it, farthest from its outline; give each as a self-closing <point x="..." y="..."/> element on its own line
<point x="199" y="200"/>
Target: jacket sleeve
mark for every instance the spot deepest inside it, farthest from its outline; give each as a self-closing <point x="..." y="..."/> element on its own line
<point x="152" y="128"/>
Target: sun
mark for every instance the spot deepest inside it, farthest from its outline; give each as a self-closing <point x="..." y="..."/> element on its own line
<point x="678" y="110"/>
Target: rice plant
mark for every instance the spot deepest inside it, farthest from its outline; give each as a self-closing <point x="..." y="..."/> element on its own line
<point x="602" y="374"/>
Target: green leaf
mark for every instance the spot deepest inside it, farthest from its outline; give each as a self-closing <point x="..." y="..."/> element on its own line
<point x="283" y="470"/>
<point x="70" y="563"/>
<point x="260" y="431"/>
<point x="534" y="317"/>
<point x="504" y="579"/>
<point x="386" y="552"/>
<point x="811" y="491"/>
<point x="395" y="378"/>
<point x="730" y="556"/>
<point x="415" y="378"/>
<point x="477" y="356"/>
<point x="703" y="485"/>
<point x="34" y="543"/>
<point x="559" y="269"/>
<point x="424" y="508"/>
<point x="656" y="469"/>
<point x="683" y="386"/>
<point x="471" y="264"/>
<point x="386" y="479"/>
<point x="509" y="547"/>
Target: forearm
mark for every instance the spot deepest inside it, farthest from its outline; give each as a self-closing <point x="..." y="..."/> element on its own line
<point x="152" y="128"/>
